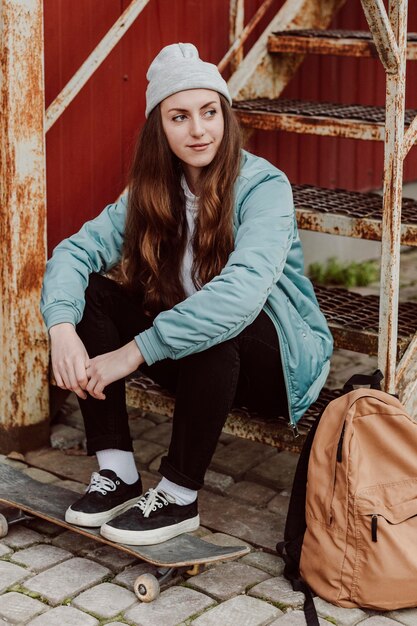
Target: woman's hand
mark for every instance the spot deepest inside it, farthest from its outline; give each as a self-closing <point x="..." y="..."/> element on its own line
<point x="69" y="359"/>
<point x="106" y="368"/>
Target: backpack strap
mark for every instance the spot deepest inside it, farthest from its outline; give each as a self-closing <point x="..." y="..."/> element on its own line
<point x="310" y="612"/>
<point x="290" y="548"/>
<point x="374" y="381"/>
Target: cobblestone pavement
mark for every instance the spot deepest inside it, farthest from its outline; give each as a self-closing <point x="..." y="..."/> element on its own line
<point x="51" y="577"/>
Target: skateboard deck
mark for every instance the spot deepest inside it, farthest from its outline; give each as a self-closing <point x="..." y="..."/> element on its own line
<point x="50" y="502"/>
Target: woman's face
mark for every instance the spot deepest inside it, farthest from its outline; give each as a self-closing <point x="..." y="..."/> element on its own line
<point x="194" y="126"/>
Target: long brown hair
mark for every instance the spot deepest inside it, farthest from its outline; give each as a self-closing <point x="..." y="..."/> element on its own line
<point x="156" y="226"/>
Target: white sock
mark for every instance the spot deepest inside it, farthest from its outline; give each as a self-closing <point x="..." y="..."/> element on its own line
<point x="120" y="461"/>
<point x="182" y="495"/>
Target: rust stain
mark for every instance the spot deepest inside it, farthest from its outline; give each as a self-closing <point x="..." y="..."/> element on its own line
<point x="310" y="125"/>
<point x="24" y="390"/>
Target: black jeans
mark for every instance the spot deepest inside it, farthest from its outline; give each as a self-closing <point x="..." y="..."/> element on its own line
<point x="243" y="371"/>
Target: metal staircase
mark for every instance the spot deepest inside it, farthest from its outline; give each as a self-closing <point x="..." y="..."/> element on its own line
<point x="368" y="324"/>
<point x="361" y="323"/>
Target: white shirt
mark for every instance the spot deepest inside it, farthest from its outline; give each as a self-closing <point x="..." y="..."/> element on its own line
<point x="191" y="208"/>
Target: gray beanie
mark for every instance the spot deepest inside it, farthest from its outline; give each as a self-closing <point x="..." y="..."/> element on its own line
<point x="178" y="67"/>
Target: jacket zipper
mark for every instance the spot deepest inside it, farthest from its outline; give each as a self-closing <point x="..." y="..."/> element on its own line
<point x="293" y="423"/>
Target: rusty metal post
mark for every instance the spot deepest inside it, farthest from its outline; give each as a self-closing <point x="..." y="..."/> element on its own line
<point x="391" y="221"/>
<point x="383" y="36"/>
<point x="237" y="21"/>
<point x="24" y="364"/>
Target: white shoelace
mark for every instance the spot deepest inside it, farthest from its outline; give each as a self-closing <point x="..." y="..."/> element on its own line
<point x="100" y="483"/>
<point x="152" y="500"/>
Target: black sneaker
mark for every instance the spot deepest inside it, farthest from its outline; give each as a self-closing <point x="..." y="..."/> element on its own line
<point x="153" y="519"/>
<point x="106" y="496"/>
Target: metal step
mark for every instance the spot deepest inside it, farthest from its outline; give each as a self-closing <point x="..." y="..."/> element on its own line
<point x="355" y="121"/>
<point x="354" y="320"/>
<point x="349" y="213"/>
<point x="351" y="43"/>
<point x="144" y="394"/>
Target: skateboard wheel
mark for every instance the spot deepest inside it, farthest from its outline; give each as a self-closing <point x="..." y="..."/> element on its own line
<point x="146" y="587"/>
<point x="4" y="526"/>
<point x="194" y="570"/>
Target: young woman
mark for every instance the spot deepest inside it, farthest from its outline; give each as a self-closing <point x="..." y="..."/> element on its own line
<point x="213" y="303"/>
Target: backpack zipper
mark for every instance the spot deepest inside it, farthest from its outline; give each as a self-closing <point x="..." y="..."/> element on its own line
<point x="374" y="527"/>
<point x="340" y="444"/>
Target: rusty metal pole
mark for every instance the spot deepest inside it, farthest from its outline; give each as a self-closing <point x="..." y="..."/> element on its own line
<point x="237" y="22"/>
<point x="24" y="403"/>
<point x="391" y="221"/>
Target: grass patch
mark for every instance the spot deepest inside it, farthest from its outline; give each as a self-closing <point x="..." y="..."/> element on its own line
<point x="334" y="272"/>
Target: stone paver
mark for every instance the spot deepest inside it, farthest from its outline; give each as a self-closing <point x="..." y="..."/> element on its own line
<point x="146" y="451"/>
<point x="156" y="463"/>
<point x="219" y="483"/>
<point x="256" y="495"/>
<point x="72" y="485"/>
<point x="149" y="480"/>
<point x="160" y="434"/>
<point x="114" y="559"/>
<point x="240" y="456"/>
<point x="74" y="542"/>
<point x="10" y="574"/>
<point x="77" y="467"/>
<point x="40" y="557"/>
<point x="241" y="610"/>
<point x="279" y="504"/>
<point x="221" y="539"/>
<point x="74" y="419"/>
<point x="379" y="620"/>
<point x="20" y="536"/>
<point x="258" y="527"/>
<point x="172" y="607"/>
<point x="138" y="426"/>
<point x="157" y="418"/>
<point x="270" y="563"/>
<point x="276" y="472"/>
<point x="18" y="608"/>
<point x="129" y="575"/>
<point x="64" y="616"/>
<point x="295" y="618"/>
<point x="39" y="475"/>
<point x="227" y="580"/>
<point x="67" y="579"/>
<point x="64" y="436"/>
<point x="105" y="600"/>
<point x="408" y="617"/>
<point x="278" y="590"/>
<point x="343" y="617"/>
<point x="4" y="550"/>
<point x="12" y="462"/>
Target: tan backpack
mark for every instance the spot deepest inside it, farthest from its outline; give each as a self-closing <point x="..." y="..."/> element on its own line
<point x="359" y="546"/>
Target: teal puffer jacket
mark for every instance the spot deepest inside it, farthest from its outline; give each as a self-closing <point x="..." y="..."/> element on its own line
<point x="264" y="271"/>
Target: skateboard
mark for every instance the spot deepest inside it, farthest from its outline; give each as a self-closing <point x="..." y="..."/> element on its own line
<point x="185" y="554"/>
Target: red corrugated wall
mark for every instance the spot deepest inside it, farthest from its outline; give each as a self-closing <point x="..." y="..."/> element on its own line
<point x="89" y="148"/>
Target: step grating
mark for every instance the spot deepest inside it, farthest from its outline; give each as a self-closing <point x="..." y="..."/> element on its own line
<point x="333" y="34"/>
<point x="359" y="112"/>
<point x="348" y="43"/>
<point x="349" y="203"/>
<point x="354" y="319"/>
